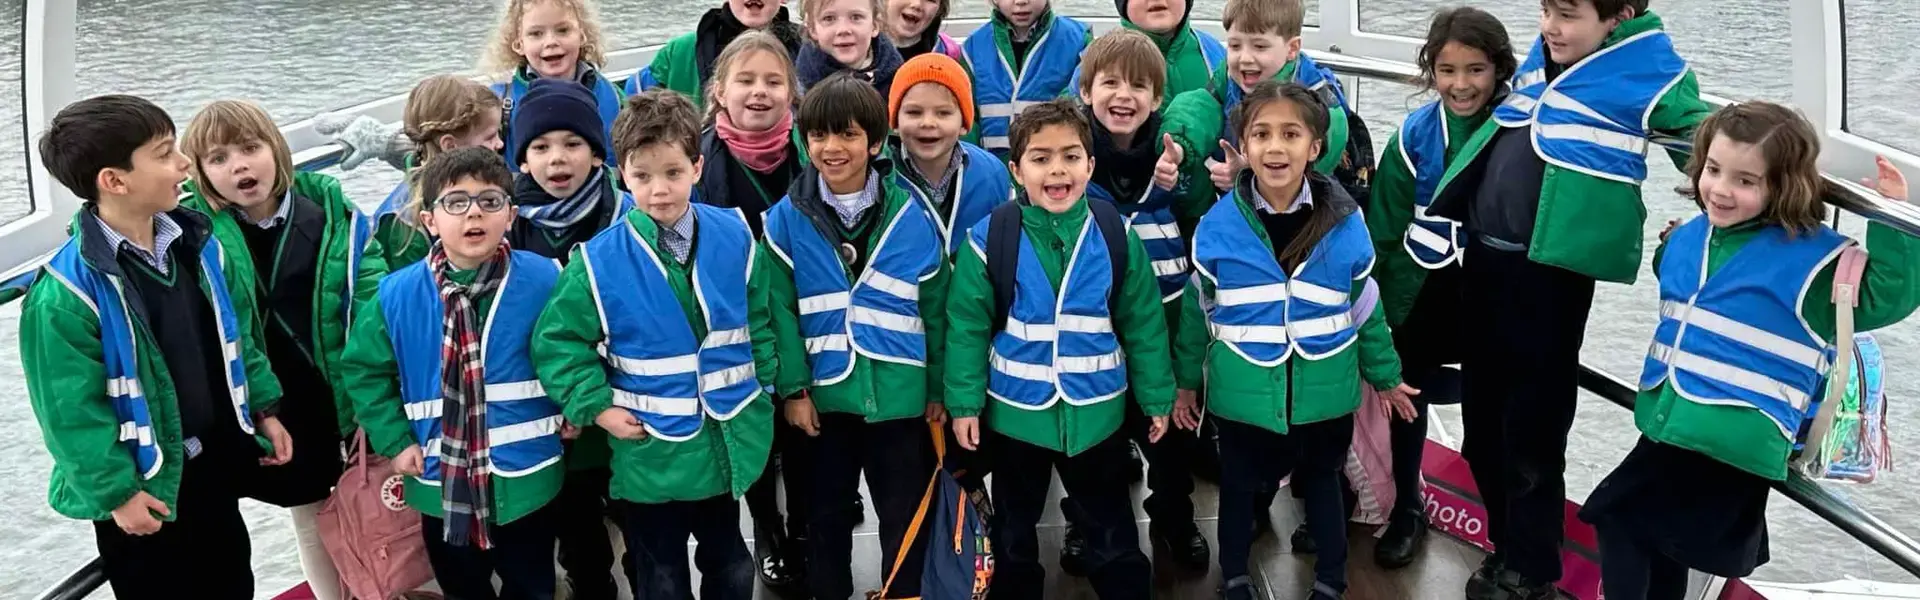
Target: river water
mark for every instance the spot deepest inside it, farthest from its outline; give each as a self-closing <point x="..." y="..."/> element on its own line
<point x="298" y="58"/>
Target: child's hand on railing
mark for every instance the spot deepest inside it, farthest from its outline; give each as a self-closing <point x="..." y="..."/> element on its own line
<point x="1888" y="180"/>
<point x="365" y="138"/>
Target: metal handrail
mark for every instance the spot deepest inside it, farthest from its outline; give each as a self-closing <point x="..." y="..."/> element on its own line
<point x="1876" y="534"/>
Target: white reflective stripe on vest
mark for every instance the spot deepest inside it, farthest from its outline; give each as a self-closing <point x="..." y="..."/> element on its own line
<point x="1530" y="78"/>
<point x="519" y="432"/>
<point x="424" y="409"/>
<point x="823" y="303"/>
<point x="1592" y="135"/>
<point x="654" y="367"/>
<point x="1156" y="231"/>
<point x="231" y="350"/>
<point x="1564" y="102"/>
<point x="1080" y="324"/>
<point x="240" y="400"/>
<point x="1171" y="266"/>
<point x="1327" y="325"/>
<point x="1251" y="334"/>
<point x="1315" y="293"/>
<point x="886" y="320"/>
<point x="892" y="285"/>
<point x="1089" y="364"/>
<point x="1004" y="109"/>
<point x="832" y="342"/>
<point x="670" y="407"/>
<point x="726" y="378"/>
<point x="725" y="337"/>
<point x="995" y="141"/>
<point x="1020" y="369"/>
<point x="496" y="392"/>
<point x="1027" y="332"/>
<point x="123" y="386"/>
<point x="1809" y="357"/>
<point x="1428" y="239"/>
<point x="1271" y="292"/>
<point x="143" y="433"/>
<point x="1728" y="374"/>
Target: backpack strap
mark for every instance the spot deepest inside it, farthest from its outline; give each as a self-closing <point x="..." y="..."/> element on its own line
<point x="1003" y="258"/>
<point x="1812" y="460"/>
<point x="926" y="503"/>
<point x="1114" y="229"/>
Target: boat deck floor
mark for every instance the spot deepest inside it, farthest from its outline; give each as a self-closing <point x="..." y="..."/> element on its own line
<point x="1440" y="572"/>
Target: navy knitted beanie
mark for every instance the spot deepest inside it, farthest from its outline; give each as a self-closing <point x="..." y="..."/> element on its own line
<point x="557" y="105"/>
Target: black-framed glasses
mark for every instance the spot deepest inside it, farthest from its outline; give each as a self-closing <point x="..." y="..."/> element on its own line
<point x="457" y="203"/>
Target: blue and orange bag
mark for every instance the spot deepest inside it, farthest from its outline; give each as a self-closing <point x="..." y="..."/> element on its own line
<point x="959" y="557"/>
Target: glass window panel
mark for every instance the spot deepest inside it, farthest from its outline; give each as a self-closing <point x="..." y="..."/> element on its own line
<point x="14" y="200"/>
<point x="1882" y="73"/>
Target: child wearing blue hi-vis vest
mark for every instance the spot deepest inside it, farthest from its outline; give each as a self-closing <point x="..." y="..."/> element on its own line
<point x="858" y="292"/>
<point x="443" y="382"/>
<point x="1024" y="55"/>
<point x="658" y="332"/>
<point x="1549" y="189"/>
<point x="1056" y="326"/>
<point x="142" y="362"/>
<point x="1739" y="361"/>
<point x="1267" y="325"/>
<point x="1466" y="61"/>
<point x="556" y="40"/>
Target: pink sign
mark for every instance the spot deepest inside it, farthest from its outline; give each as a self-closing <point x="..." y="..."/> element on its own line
<point x="1453" y="506"/>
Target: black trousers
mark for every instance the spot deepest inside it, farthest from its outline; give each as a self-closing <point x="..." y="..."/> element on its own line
<point x="1169" y="474"/>
<point x="1630" y="570"/>
<point x="1252" y="461"/>
<point x="580" y="526"/>
<point x="1097" y="481"/>
<point x="1431" y="336"/>
<point x="656" y="536"/>
<point x="795" y="472"/>
<point x="897" y="457"/>
<point x="1520" y="387"/>
<point x="203" y="553"/>
<point x="522" y="555"/>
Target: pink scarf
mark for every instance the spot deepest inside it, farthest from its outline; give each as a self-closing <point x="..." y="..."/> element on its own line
<point x="762" y="151"/>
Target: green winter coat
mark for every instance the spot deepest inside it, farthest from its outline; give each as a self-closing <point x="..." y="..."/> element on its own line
<point x="62" y="357"/>
<point x="1746" y="438"/>
<point x="1310" y="390"/>
<point x="876" y="389"/>
<point x="1585" y="224"/>
<point x="725" y="457"/>
<point x="401" y="243"/>
<point x="1187" y="68"/>
<point x="673" y="67"/>
<point x="373" y="380"/>
<point x="1389" y="212"/>
<point x="1137" y="320"/>
<point x="329" y="326"/>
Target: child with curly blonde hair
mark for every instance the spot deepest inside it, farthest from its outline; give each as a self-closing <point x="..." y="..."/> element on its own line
<point x="549" y="39"/>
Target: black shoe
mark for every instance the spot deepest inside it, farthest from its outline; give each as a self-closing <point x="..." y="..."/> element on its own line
<point x="1514" y="586"/>
<point x="1073" y="553"/>
<point x="1238" y="588"/>
<point x="1484" y="584"/>
<point x="770" y="551"/>
<point x="1188" y="548"/>
<point x="1303" y="541"/>
<point x="1402" y="541"/>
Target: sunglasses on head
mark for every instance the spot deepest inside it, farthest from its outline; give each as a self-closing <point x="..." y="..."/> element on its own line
<point x="458" y="203"/>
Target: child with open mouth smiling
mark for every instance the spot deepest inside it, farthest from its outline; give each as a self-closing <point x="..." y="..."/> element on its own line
<point x="549" y="39"/>
<point x="846" y="35"/>
<point x="689" y="61"/>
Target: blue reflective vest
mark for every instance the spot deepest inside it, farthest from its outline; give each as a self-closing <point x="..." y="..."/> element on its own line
<point x="1432" y="241"/>
<point x="658" y="371"/>
<point x="1308" y="73"/>
<point x="983" y="184"/>
<point x="1737" y="337"/>
<point x="1265" y="314"/>
<point x="523" y="424"/>
<point x="120" y="353"/>
<point x="1151" y="218"/>
<point x="1593" y="118"/>
<point x="1056" y="347"/>
<point x="1001" y="93"/>
<point x="605" y="95"/>
<point x="877" y="316"/>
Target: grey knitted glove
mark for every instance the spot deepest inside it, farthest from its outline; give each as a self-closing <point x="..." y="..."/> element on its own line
<point x="365" y="138"/>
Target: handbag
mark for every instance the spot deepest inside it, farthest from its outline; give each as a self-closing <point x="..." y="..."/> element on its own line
<point x="371" y="533"/>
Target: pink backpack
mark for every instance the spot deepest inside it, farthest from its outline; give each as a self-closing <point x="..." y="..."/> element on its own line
<point x="371" y="533"/>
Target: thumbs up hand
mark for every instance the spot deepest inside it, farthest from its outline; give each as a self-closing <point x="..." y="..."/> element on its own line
<point x="1166" y="173"/>
<point x="1223" y="172"/>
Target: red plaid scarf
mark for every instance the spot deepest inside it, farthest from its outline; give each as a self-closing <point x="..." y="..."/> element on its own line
<point x="465" y="466"/>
